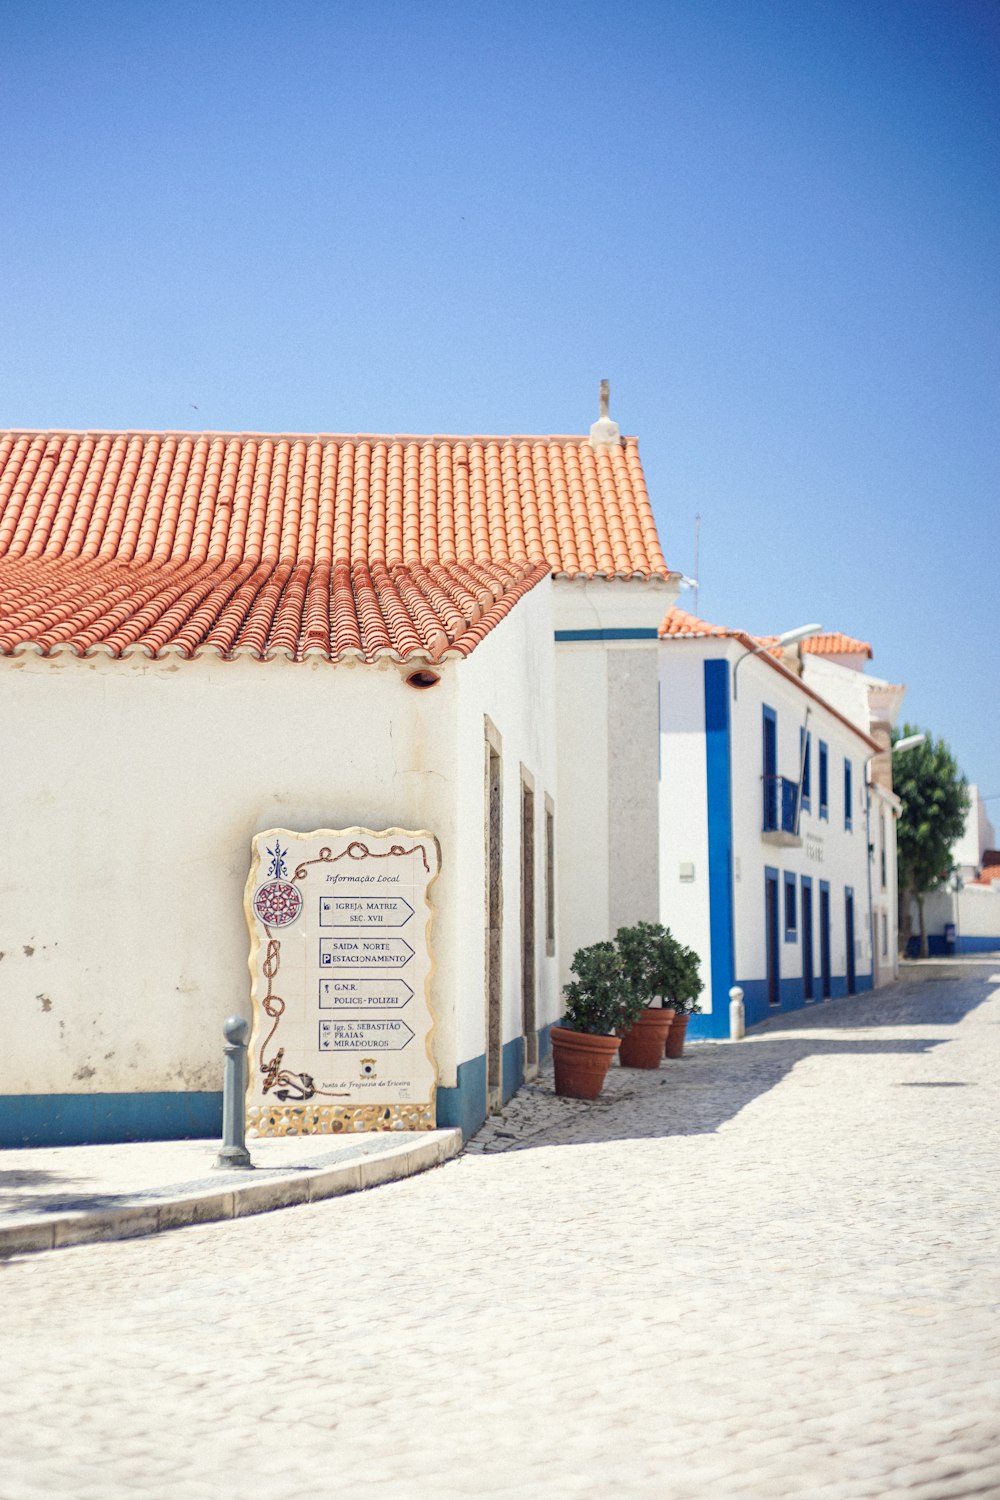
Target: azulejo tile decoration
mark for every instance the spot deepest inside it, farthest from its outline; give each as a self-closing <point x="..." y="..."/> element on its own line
<point x="341" y="965"/>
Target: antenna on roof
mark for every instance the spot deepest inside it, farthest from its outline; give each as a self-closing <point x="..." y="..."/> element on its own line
<point x="605" y="433"/>
<point x="697" y="575"/>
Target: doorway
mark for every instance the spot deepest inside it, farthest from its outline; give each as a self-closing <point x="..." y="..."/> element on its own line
<point x="494" y="920"/>
<point x="808" y="987"/>
<point x="529" y="1023"/>
<point x="824" y="939"/>
<point x="773" y="937"/>
<point x="852" y="979"/>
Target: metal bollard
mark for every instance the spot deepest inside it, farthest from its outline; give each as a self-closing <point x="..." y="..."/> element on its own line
<point x="234" y="1152"/>
<point x="737" y="1015"/>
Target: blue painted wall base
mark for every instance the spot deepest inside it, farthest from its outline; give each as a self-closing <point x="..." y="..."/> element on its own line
<point x="939" y="947"/>
<point x="106" y="1119"/>
<point x="512" y="1068"/>
<point x="465" y="1105"/>
<point x="756" y="1008"/>
<point x="103" y="1119"/>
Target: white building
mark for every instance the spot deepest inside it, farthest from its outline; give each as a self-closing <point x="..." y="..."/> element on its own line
<point x="978" y="837"/>
<point x="834" y="666"/>
<point x="764" y="825"/>
<point x="206" y="635"/>
<point x="963" y="915"/>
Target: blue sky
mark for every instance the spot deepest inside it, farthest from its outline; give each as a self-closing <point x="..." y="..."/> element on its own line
<point x="774" y="226"/>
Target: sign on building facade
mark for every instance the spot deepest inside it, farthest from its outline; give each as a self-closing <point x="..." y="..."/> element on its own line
<point x="340" y="963"/>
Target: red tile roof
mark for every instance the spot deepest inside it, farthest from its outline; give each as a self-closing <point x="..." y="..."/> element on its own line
<point x="990" y="868"/>
<point x="294" y="545"/>
<point x="679" y="623"/>
<point x="836" y="645"/>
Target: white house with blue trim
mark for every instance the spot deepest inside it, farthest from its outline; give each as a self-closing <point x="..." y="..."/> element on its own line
<point x="764" y="865"/>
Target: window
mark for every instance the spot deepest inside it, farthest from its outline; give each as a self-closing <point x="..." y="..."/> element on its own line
<point x="848" y="790"/>
<point x="805" y="754"/>
<point x="885" y="936"/>
<point x="824" y="782"/>
<point x="791" y="911"/>
<point x="550" y="877"/>
<point x="881" y="841"/>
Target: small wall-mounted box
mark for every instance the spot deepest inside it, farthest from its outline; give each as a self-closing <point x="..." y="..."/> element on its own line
<point x="687" y="870"/>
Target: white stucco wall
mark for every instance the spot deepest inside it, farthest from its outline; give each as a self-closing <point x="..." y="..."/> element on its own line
<point x="844" y="686"/>
<point x="510" y="678"/>
<point x="582" y="814"/>
<point x="978" y="835"/>
<point x="607" y="738"/>
<point x="684" y="902"/>
<point x="975" y="911"/>
<point x="131" y="790"/>
<point x="607" y="729"/>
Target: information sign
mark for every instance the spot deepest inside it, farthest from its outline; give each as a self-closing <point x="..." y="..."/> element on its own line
<point x="332" y="972"/>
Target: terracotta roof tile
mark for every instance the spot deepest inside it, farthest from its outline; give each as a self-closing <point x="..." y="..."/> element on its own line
<point x="299" y="545"/>
<point x="679" y="623"/>
<point x="836" y="645"/>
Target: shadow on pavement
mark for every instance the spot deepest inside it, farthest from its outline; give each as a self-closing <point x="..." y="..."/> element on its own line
<point x="714" y="1081"/>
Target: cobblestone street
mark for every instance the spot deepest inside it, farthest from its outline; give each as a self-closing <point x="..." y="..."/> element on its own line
<point x="769" y="1269"/>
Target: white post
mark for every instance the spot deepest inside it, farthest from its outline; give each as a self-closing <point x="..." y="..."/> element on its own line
<point x="737" y="1015"/>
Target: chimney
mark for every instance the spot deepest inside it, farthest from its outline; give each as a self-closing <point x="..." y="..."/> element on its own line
<point x="791" y="657"/>
<point x="605" y="433"/>
<point x="881" y="771"/>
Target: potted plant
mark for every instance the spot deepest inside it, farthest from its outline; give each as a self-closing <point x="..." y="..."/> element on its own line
<point x="648" y="952"/>
<point x="686" y="985"/>
<point x="597" y="1003"/>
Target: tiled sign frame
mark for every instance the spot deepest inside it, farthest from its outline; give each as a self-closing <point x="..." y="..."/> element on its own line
<point x="283" y="1097"/>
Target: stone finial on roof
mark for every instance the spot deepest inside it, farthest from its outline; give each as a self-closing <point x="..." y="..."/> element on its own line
<point x="605" y="433"/>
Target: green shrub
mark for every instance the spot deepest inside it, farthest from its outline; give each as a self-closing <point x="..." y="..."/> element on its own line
<point x="597" y="1000"/>
<point x="656" y="964"/>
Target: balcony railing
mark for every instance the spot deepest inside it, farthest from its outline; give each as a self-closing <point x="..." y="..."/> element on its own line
<point x="781" y="804"/>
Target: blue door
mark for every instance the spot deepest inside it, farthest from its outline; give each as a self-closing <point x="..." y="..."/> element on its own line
<point x="807" y="938"/>
<point x="773" y="949"/>
<point x="852" y="983"/>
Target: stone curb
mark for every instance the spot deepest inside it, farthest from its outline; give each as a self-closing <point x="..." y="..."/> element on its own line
<point x="234" y="1200"/>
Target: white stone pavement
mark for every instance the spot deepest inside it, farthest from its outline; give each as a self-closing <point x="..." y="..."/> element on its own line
<point x="768" y="1270"/>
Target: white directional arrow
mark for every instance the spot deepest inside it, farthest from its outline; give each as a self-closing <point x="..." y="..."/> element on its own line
<point x="349" y="993"/>
<point x="353" y="953"/>
<point x="364" y="911"/>
<point x="363" y="1036"/>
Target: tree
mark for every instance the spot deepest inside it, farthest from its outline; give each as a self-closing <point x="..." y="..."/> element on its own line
<point x="935" y="801"/>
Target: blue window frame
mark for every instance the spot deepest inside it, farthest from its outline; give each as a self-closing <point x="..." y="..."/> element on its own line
<point x="805" y="755"/>
<point x="769" y="759"/>
<point x="824" y="781"/>
<point x="791" y="910"/>
<point x="848" y="787"/>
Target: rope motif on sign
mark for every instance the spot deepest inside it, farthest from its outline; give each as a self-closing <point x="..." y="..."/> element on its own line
<point x="295" y="1086"/>
<point x="357" y="850"/>
<point x="299" y="1087"/>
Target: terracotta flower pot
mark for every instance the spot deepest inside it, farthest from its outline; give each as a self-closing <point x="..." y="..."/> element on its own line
<point x="675" y="1036"/>
<point x="642" y="1044"/>
<point x="581" y="1061"/>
